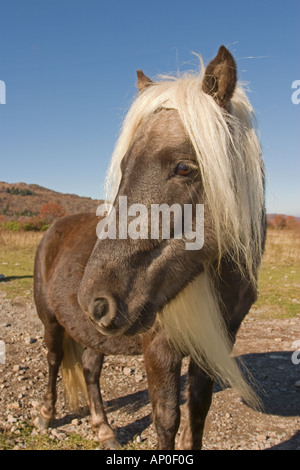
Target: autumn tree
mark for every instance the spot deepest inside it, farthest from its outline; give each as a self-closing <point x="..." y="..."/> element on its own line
<point x="279" y="221"/>
<point x="51" y="211"/>
<point x="291" y="222"/>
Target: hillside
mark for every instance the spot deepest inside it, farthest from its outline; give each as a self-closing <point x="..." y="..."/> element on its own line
<point x="21" y="199"/>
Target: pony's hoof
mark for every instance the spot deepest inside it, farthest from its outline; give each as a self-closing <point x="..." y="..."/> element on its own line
<point x="107" y="438"/>
<point x="111" y="444"/>
<point x="41" y="423"/>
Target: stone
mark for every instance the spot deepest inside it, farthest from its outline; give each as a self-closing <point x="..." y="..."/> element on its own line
<point x="2" y="352"/>
<point x="127" y="371"/>
<point x="57" y="434"/>
<point x="30" y="340"/>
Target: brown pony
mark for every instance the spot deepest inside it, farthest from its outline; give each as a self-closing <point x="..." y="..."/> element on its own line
<point x="187" y="142"/>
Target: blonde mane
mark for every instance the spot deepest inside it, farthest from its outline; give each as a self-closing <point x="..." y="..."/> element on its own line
<point x="229" y="156"/>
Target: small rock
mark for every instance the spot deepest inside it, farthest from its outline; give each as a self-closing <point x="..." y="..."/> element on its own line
<point x="297" y="384"/>
<point x="30" y="340"/>
<point x="58" y="435"/>
<point x="14" y="405"/>
<point x="138" y="378"/>
<point x="11" y="419"/>
<point x="127" y="371"/>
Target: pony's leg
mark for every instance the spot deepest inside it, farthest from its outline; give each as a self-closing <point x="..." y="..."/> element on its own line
<point x="53" y="338"/>
<point x="199" y="395"/>
<point x="163" y="367"/>
<point x="92" y="364"/>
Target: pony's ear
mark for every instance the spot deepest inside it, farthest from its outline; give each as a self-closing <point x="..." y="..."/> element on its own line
<point x="143" y="81"/>
<point x="220" y="77"/>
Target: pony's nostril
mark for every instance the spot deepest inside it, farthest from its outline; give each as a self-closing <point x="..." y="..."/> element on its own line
<point x="101" y="307"/>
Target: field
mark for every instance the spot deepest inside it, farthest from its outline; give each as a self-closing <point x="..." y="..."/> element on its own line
<point x="279" y="278"/>
<point x="269" y="331"/>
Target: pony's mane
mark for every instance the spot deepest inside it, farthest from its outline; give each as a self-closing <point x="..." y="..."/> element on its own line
<point x="229" y="157"/>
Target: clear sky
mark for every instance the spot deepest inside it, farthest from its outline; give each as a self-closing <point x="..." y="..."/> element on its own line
<point x="70" y="70"/>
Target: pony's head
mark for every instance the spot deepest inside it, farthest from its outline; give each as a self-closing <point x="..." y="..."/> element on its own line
<point x="186" y="142"/>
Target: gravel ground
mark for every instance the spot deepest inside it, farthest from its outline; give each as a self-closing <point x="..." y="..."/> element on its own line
<point x="266" y="346"/>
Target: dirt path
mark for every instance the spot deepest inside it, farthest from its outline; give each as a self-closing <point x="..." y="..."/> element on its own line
<point x="265" y="346"/>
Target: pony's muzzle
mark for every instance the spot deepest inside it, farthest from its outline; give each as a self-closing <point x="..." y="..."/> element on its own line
<point x="106" y="317"/>
<point x="101" y="309"/>
<point x="103" y="315"/>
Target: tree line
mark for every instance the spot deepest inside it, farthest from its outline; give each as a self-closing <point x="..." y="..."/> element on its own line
<point x="49" y="212"/>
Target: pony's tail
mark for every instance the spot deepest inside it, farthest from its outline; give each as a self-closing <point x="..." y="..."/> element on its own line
<point x="75" y="391"/>
<point x="194" y="325"/>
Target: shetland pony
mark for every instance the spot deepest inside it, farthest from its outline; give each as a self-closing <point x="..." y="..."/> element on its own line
<point x="187" y="140"/>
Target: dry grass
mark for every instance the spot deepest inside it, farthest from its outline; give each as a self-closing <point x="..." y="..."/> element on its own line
<point x="17" y="252"/>
<point x="279" y="277"/>
<point x="20" y="239"/>
<point x="282" y="247"/>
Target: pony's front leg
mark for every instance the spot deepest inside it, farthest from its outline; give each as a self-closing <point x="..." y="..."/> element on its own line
<point x="199" y="395"/>
<point x="163" y="367"/>
<point x="92" y="364"/>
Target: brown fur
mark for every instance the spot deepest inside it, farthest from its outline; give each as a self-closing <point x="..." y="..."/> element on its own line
<point x="60" y="261"/>
<point x="107" y="295"/>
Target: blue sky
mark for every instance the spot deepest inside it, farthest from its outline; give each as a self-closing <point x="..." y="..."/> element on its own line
<point x="70" y="70"/>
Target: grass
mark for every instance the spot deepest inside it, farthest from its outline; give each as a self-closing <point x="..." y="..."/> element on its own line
<point x="282" y="248"/>
<point x="17" y="250"/>
<point x="278" y="291"/>
<point x="26" y="437"/>
<point x="279" y="278"/>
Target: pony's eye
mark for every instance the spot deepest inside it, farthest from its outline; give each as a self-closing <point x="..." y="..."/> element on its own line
<point x="183" y="169"/>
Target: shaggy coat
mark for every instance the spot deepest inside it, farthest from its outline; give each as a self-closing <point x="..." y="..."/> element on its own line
<point x="189" y="140"/>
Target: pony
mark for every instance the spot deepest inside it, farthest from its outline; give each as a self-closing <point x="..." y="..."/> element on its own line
<point x="190" y="140"/>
